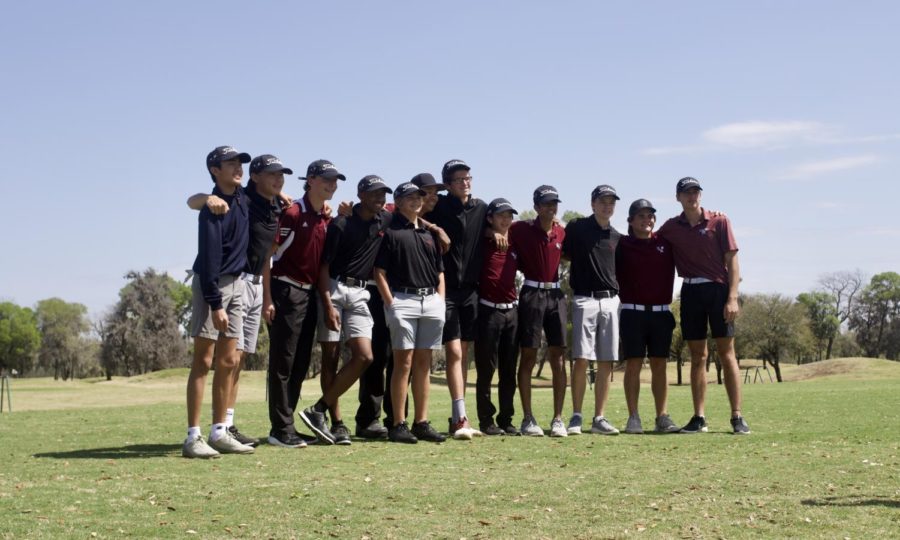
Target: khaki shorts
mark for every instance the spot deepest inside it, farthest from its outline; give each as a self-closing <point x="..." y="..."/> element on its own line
<point x="253" y="300"/>
<point x="595" y="328"/>
<point x="232" y="288"/>
<point x="352" y="305"/>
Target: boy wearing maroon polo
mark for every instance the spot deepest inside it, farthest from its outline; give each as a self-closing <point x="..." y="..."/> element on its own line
<point x="496" y="336"/>
<point x="646" y="271"/>
<point x="706" y="257"/>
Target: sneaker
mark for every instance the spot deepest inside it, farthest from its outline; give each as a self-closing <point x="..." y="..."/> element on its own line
<point x="740" y="425"/>
<point x="633" y="426"/>
<point x="463" y="431"/>
<point x="423" y="430"/>
<point x="531" y="428"/>
<point x="664" y="424"/>
<point x="400" y="433"/>
<point x="197" y="448"/>
<point x="492" y="430"/>
<point x="315" y="421"/>
<point x="601" y="426"/>
<point x="575" y="425"/>
<point x="227" y="444"/>
<point x="557" y="428"/>
<point x="697" y="424"/>
<point x="243" y="439"/>
<point x="372" y="431"/>
<point x="341" y="434"/>
<point x="511" y="430"/>
<point x="292" y="440"/>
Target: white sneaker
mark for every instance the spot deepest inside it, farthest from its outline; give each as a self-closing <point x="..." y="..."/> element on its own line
<point x="557" y="428"/>
<point x="197" y="448"/>
<point x="601" y="426"/>
<point x="575" y="425"/>
<point x="634" y="425"/>
<point x="530" y="427"/>
<point x="227" y="444"/>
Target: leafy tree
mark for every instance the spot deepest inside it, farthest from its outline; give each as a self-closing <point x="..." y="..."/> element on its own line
<point x="61" y="325"/>
<point x="822" y="312"/>
<point x="844" y="287"/>
<point x="20" y="339"/>
<point x="771" y="327"/>
<point x="874" y="316"/>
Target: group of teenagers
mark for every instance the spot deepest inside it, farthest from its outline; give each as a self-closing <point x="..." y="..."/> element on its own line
<point x="393" y="282"/>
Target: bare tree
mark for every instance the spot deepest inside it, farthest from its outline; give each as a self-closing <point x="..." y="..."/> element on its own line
<point x="844" y="286"/>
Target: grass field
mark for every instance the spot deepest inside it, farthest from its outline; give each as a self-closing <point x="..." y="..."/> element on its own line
<point x="97" y="459"/>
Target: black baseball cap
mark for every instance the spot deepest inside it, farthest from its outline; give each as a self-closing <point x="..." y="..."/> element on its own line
<point x="638" y="205"/>
<point x="604" y="190"/>
<point x="224" y="153"/>
<point x="323" y="168"/>
<point x="407" y="188"/>
<point x="452" y="166"/>
<point x="687" y="183"/>
<point x="500" y="205"/>
<point x="268" y="163"/>
<point x="546" y="194"/>
<point x="372" y="182"/>
<point x="425" y="179"/>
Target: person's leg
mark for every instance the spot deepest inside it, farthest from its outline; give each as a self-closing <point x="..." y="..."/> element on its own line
<point x="507" y="357"/>
<point x="252" y="317"/>
<point x="731" y="373"/>
<point x="526" y="366"/>
<point x="421" y="372"/>
<point x="697" y="348"/>
<point x="399" y="381"/>
<point x="584" y="335"/>
<point x="360" y="360"/>
<point x="372" y="383"/>
<point x="202" y="362"/>
<point x="485" y="364"/>
<point x="284" y="338"/>
<point x="632" y="383"/>
<point x="606" y="343"/>
<point x="227" y="360"/>
<point x="579" y="384"/>
<point x="659" y="385"/>
<point x="556" y="359"/>
<point x="331" y="357"/>
<point x="555" y="322"/>
<point x="601" y="386"/>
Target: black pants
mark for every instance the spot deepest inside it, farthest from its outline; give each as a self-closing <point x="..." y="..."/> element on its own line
<point x="292" y="335"/>
<point x="374" y="384"/>
<point x="496" y="347"/>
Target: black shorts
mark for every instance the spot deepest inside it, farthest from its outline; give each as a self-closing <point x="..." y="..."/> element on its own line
<point x="703" y="305"/>
<point x="462" y="312"/>
<point x="646" y="333"/>
<point x="542" y="309"/>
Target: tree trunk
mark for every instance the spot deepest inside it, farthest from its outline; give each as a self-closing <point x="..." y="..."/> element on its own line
<point x="679" y="362"/>
<point x="777" y="365"/>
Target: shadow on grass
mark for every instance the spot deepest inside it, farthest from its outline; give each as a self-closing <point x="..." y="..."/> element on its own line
<point x="140" y="451"/>
<point x="853" y="501"/>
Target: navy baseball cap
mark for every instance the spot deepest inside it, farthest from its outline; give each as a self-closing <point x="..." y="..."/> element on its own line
<point x="452" y="166"/>
<point x="323" y="168"/>
<point x="604" y="190"/>
<point x="638" y="205"/>
<point x="407" y="188"/>
<point x="425" y="179"/>
<point x="372" y="182"/>
<point x="500" y="205"/>
<point x="546" y="194"/>
<point x="268" y="163"/>
<point x="224" y="153"/>
<point x="687" y="183"/>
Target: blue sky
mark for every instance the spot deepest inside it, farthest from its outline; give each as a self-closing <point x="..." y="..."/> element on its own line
<point x="786" y="112"/>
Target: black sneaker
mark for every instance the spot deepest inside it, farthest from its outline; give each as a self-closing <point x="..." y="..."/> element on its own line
<point x="373" y="431"/>
<point x="740" y="425"/>
<point x="424" y="431"/>
<point x="492" y="429"/>
<point x="243" y="439"/>
<point x="510" y="430"/>
<point x="400" y="433"/>
<point x="315" y="421"/>
<point x="696" y="425"/>
<point x="341" y="433"/>
<point x="286" y="441"/>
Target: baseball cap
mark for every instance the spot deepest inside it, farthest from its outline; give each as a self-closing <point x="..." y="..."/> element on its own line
<point x="452" y="166"/>
<point x="372" y="182"/>
<point x="407" y="188"/>
<point x="546" y="194"/>
<point x="604" y="190"/>
<point x="687" y="183"/>
<point x="638" y="205"/>
<point x="500" y="205"/>
<point x="323" y="168"/>
<point x="224" y="153"/>
<point x="268" y="163"/>
<point x="426" y="180"/>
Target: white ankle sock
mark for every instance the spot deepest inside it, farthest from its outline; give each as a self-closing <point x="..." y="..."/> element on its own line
<point x="229" y="418"/>
<point x="217" y="431"/>
<point x="194" y="432"/>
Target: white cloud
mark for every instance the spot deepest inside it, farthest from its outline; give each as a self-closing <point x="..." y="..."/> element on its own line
<point x="815" y="168"/>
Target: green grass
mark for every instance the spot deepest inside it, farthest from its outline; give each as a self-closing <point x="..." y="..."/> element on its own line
<point x="822" y="462"/>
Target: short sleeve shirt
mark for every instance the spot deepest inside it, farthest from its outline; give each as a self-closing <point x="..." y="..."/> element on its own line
<point x="352" y="244"/>
<point x="497" y="282"/>
<point x="539" y="252"/>
<point x="700" y="249"/>
<point x="592" y="250"/>
<point x="300" y="239"/>
<point x="409" y="255"/>
<point x="646" y="270"/>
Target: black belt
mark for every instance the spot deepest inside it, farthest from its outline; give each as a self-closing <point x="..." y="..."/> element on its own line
<point x="352" y="281"/>
<point x="597" y="294"/>
<point x="423" y="291"/>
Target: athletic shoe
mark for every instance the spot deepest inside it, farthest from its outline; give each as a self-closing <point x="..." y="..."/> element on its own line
<point x="423" y="430"/>
<point x="373" y="431"/>
<point x="341" y="433"/>
<point x="243" y="439"/>
<point x="697" y="424"/>
<point x="400" y="433"/>
<point x="315" y="421"/>
<point x="511" y="430"/>
<point x="633" y="426"/>
<point x="664" y="424"/>
<point x="557" y="428"/>
<point x="574" y="425"/>
<point x="464" y="432"/>
<point x="601" y="426"/>
<point x="292" y="440"/>
<point x="227" y="444"/>
<point x="740" y="425"/>
<point x="492" y="430"/>
<point x="197" y="448"/>
<point x="531" y="428"/>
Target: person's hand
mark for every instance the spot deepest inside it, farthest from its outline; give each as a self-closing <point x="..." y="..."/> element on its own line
<point x="220" y="320"/>
<point x="332" y="320"/>
<point x="442" y="238"/>
<point x="285" y="199"/>
<point x="268" y="312"/>
<point x="502" y="241"/>
<point x="717" y="213"/>
<point x="732" y="310"/>
<point x="216" y="205"/>
<point x="345" y="209"/>
<point x="326" y="209"/>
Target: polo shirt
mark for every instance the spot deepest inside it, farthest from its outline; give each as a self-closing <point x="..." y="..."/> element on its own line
<point x="646" y="270"/>
<point x="221" y="244"/>
<point x="497" y="281"/>
<point x="263" y="215"/>
<point x="592" y="252"/>
<point x="409" y="255"/>
<point x="464" y="224"/>
<point x="700" y="250"/>
<point x="540" y="252"/>
<point x="300" y="238"/>
<point x="352" y="244"/>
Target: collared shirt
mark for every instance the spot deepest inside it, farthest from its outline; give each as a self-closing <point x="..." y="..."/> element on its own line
<point x="592" y="250"/>
<point x="646" y="270"/>
<point x="539" y="252"/>
<point x="221" y="244"/>
<point x="352" y="244"/>
<point x="264" y="214"/>
<point x="700" y="250"/>
<point x="497" y="283"/>
<point x="464" y="224"/>
<point x="300" y="238"/>
<point x="409" y="255"/>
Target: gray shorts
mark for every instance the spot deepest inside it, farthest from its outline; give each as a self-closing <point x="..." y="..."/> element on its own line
<point x="595" y="328"/>
<point x="352" y="306"/>
<point x="416" y="322"/>
<point x="232" y="289"/>
<point x="253" y="301"/>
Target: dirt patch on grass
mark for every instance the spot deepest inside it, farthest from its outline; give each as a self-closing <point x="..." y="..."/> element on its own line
<point x="854" y="368"/>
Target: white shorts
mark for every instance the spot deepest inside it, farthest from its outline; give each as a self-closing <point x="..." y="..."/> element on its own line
<point x="416" y="322"/>
<point x="595" y="328"/>
<point x="352" y="306"/>
<point x="253" y="301"/>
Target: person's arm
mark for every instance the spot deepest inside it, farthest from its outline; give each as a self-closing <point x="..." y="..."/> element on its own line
<point x="210" y="249"/>
<point x="383" y="288"/>
<point x="345" y="208"/>
<point x="332" y="321"/>
<point x="284" y="200"/>
<point x="441" y="288"/>
<point x="439" y="234"/>
<point x="268" y="311"/>
<point x="215" y="204"/>
<point x="732" y="308"/>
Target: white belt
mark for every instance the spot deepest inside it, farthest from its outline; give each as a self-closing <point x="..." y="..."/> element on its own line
<point x="488" y="303"/>
<point x="645" y="307"/>
<point x="252" y="278"/>
<point x="289" y="281"/>
<point x="696" y="280"/>
<point x="542" y="284"/>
